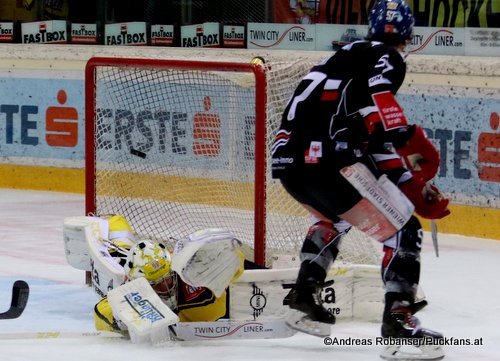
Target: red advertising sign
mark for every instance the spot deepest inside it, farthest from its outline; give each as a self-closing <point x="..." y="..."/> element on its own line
<point x="6" y="32"/>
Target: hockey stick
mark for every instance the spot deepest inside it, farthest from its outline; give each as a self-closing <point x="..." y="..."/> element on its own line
<point x="434" y="235"/>
<point x="60" y="334"/>
<point x="20" y="294"/>
<point x="182" y="331"/>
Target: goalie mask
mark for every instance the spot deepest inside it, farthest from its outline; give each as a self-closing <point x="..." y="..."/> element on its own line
<point x="152" y="261"/>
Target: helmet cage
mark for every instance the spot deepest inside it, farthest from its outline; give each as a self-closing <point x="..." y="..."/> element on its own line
<point x="152" y="261"/>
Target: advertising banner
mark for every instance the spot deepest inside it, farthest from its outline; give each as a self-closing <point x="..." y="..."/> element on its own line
<point x="425" y="40"/>
<point x="162" y="35"/>
<point x="480" y="41"/>
<point x="233" y="36"/>
<point x="83" y="33"/>
<point x="281" y="36"/>
<point x="42" y="118"/>
<point x="466" y="131"/>
<point x="204" y="35"/>
<point x="437" y="41"/>
<point x="133" y="33"/>
<point x="46" y="32"/>
<point x="6" y="32"/>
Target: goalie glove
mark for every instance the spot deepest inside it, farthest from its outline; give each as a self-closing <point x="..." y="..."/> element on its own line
<point x="428" y="201"/>
<point x="420" y="155"/>
<point x="209" y="258"/>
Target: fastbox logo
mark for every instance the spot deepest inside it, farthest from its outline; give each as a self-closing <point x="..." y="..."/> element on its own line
<point x="53" y="31"/>
<point x="131" y="33"/>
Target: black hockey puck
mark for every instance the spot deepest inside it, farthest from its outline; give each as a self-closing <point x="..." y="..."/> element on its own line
<point x="137" y="153"/>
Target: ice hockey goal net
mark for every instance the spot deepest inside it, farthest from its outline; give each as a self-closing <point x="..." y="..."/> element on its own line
<point x="178" y="146"/>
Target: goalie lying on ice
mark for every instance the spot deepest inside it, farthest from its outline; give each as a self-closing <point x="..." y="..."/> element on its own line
<point x="192" y="281"/>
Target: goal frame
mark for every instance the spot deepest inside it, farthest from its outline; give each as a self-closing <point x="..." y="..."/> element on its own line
<point x="260" y="150"/>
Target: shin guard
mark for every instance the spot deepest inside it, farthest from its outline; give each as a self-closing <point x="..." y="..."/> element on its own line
<point x="401" y="263"/>
<point x="319" y="250"/>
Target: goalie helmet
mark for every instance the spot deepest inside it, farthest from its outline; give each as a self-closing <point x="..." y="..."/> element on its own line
<point x="121" y="237"/>
<point x="152" y="261"/>
<point x="390" y="22"/>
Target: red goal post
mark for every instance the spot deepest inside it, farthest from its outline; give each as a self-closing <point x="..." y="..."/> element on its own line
<point x="180" y="145"/>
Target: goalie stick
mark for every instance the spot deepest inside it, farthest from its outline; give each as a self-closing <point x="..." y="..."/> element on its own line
<point x="20" y="294"/>
<point x="61" y="334"/>
<point x="182" y="331"/>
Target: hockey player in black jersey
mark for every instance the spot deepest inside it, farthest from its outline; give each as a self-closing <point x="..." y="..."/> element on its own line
<point x="347" y="153"/>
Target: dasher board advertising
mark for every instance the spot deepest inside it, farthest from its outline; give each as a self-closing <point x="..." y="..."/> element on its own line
<point x="6" y="32"/>
<point x="162" y="35"/>
<point x="233" y="36"/>
<point x="437" y="41"/>
<point x="281" y="36"/>
<point x="131" y="33"/>
<point x="204" y="35"/>
<point x="83" y="33"/>
<point x="44" y="32"/>
<point x="483" y="42"/>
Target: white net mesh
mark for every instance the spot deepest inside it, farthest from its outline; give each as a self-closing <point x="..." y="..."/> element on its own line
<point x="174" y="153"/>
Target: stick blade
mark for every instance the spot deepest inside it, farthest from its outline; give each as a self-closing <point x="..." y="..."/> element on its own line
<point x="20" y="295"/>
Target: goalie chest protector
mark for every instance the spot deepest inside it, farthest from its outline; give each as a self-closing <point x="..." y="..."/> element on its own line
<point x="199" y="304"/>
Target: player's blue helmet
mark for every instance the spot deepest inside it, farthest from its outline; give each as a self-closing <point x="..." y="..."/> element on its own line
<point x="390" y="22"/>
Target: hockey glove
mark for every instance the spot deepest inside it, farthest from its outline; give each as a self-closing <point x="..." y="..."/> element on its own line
<point x="420" y="155"/>
<point x="428" y="201"/>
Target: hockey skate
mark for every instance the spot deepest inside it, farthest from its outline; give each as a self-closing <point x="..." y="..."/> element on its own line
<point x="307" y="313"/>
<point x="405" y="339"/>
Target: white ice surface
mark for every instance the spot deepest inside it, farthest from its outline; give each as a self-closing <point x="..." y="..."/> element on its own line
<point x="462" y="287"/>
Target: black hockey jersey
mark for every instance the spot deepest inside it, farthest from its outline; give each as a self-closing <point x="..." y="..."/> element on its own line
<point x="345" y="104"/>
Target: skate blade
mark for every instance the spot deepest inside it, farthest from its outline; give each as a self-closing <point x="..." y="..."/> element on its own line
<point x="413" y="353"/>
<point x="299" y="321"/>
